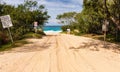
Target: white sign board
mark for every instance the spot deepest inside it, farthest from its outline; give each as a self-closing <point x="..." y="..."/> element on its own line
<point x="35" y="24"/>
<point x="104" y="27"/>
<point x="6" y="21"/>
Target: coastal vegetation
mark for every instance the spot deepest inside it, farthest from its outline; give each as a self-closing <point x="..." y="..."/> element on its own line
<point x="22" y="17"/>
<point x="92" y="17"/>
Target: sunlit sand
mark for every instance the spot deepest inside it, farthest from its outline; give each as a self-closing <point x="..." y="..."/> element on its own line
<point x="61" y="53"/>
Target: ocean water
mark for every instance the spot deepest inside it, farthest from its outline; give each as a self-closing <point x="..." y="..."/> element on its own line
<point x="49" y="29"/>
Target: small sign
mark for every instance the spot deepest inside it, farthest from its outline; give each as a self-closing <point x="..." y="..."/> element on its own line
<point x="105" y="26"/>
<point x="105" y="29"/>
<point x="35" y="24"/>
<point x="6" y="21"/>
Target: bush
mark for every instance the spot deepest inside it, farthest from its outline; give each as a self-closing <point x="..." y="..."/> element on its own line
<point x="37" y="36"/>
<point x="32" y="35"/>
<point x="39" y="31"/>
<point x="3" y="38"/>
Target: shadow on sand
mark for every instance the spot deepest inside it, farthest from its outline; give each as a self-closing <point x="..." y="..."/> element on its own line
<point x="95" y="45"/>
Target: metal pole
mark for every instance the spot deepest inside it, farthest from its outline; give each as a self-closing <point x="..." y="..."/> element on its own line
<point x="10" y="34"/>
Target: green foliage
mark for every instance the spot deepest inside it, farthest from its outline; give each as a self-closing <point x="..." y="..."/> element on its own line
<point x="9" y="46"/>
<point x="32" y="35"/>
<point x="92" y="17"/>
<point x="66" y="18"/>
<point x="3" y="38"/>
<point x="22" y="18"/>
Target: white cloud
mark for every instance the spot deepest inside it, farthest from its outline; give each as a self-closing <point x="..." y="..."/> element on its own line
<point x="54" y="7"/>
<point x="80" y="2"/>
<point x="13" y="2"/>
<point x="53" y="20"/>
<point x="56" y="4"/>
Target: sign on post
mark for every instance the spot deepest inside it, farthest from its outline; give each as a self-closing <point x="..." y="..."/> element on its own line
<point x="105" y="29"/>
<point x="35" y="26"/>
<point x="6" y="23"/>
<point x="105" y="26"/>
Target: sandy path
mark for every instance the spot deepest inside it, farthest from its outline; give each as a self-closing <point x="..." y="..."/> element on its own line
<point x="61" y="53"/>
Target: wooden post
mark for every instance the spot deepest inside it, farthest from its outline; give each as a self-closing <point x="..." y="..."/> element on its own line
<point x="104" y="39"/>
<point x="10" y="34"/>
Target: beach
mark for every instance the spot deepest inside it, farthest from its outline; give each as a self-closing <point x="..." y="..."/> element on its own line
<point x="62" y="53"/>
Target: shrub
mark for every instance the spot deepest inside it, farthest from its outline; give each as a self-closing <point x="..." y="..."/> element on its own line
<point x="40" y="32"/>
<point x="3" y="38"/>
<point x="32" y="35"/>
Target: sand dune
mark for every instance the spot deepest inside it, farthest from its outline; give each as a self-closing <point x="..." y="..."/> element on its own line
<point x="62" y="53"/>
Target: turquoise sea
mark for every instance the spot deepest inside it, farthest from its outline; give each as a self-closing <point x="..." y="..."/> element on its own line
<point x="52" y="29"/>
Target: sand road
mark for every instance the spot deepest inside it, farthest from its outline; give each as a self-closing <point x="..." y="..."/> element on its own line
<point x="61" y="53"/>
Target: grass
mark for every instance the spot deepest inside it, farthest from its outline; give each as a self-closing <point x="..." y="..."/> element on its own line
<point x="9" y="46"/>
<point x="21" y="42"/>
<point x="94" y="36"/>
<point x="32" y="35"/>
<point x="101" y="37"/>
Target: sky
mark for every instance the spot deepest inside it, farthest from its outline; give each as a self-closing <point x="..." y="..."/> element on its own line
<point x="54" y="7"/>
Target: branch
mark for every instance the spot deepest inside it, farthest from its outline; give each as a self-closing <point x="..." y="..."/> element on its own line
<point x="106" y="8"/>
<point x="116" y="21"/>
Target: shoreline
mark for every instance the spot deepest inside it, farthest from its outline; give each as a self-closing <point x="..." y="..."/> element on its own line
<point x="52" y="32"/>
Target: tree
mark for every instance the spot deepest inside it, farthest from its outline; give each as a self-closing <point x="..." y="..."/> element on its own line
<point x="114" y="13"/>
<point x="93" y="15"/>
<point x="66" y="18"/>
<point x="23" y="17"/>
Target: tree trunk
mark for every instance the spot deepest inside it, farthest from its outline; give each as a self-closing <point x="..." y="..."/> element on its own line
<point x="116" y="21"/>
